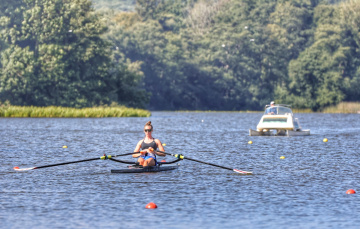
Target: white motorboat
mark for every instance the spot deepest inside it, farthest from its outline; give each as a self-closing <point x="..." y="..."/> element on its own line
<point x="278" y="120"/>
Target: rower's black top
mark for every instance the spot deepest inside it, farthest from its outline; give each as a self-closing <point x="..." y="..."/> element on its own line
<point x="152" y="144"/>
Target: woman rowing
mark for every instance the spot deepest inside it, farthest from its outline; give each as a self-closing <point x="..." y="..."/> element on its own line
<point x="148" y="146"/>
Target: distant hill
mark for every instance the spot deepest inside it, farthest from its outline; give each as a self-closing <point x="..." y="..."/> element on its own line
<point x="121" y="5"/>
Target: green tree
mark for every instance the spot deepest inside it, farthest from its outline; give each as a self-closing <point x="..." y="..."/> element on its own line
<point x="56" y="56"/>
<point x="238" y="53"/>
<point x="350" y="15"/>
<point x="318" y="74"/>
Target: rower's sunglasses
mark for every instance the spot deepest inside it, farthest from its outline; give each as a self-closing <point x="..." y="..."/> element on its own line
<point x="148" y="130"/>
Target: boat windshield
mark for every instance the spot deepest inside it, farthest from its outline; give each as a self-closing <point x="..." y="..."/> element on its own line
<point x="284" y="110"/>
<point x="278" y="110"/>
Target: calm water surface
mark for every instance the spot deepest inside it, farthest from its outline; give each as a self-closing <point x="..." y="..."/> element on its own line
<point x="307" y="189"/>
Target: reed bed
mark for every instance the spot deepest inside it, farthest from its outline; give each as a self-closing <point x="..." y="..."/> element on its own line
<point x="67" y="112"/>
<point x="344" y="107"/>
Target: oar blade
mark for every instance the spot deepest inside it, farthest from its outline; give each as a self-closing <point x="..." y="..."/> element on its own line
<point x="242" y="172"/>
<point x="180" y="156"/>
<point x="24" y="169"/>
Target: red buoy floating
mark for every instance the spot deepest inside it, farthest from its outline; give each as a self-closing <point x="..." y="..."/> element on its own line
<point x="151" y="205"/>
<point x="163" y="161"/>
<point x="16" y="167"/>
<point x="350" y="191"/>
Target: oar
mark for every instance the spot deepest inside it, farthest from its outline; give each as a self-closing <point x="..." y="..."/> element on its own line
<point x="207" y="163"/>
<point x="72" y="162"/>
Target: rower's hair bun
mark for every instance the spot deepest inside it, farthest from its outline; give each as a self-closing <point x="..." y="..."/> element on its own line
<point x="149" y="124"/>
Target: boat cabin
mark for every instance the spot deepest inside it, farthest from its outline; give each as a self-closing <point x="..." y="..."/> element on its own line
<point x="278" y="120"/>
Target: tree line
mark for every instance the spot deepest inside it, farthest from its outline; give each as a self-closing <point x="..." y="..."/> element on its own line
<point x="180" y="54"/>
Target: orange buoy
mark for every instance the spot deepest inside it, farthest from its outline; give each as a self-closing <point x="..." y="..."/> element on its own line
<point x="151" y="205"/>
<point x="163" y="161"/>
<point x="350" y="191"/>
<point x="16" y="167"/>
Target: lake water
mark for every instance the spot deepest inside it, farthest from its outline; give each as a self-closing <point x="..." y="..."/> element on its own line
<point x="307" y="189"/>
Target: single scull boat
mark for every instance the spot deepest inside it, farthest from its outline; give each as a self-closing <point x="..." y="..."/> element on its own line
<point x="147" y="169"/>
<point x="135" y="168"/>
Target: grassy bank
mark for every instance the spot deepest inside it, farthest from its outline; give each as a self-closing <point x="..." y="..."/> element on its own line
<point x="344" y="107"/>
<point x="67" y="112"/>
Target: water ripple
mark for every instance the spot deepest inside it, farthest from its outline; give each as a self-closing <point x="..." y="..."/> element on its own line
<point x="305" y="189"/>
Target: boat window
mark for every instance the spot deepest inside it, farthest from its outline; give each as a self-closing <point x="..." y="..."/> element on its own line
<point x="278" y="110"/>
<point x="284" y="110"/>
<point x="271" y="110"/>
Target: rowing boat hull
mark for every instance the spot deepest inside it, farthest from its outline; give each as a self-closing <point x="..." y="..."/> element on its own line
<point x="150" y="169"/>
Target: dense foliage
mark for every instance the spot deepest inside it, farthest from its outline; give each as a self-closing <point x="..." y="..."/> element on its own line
<point x="236" y="55"/>
<point x="185" y="54"/>
<point x="52" y="53"/>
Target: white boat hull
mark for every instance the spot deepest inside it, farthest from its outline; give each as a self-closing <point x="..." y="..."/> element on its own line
<point x="274" y="132"/>
<point x="298" y="133"/>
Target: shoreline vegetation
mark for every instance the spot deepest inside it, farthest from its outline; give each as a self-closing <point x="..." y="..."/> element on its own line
<point x="9" y="111"/>
<point x="341" y="108"/>
<point x="68" y="112"/>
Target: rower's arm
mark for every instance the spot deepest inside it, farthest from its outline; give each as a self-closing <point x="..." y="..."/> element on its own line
<point x="161" y="148"/>
<point x="137" y="149"/>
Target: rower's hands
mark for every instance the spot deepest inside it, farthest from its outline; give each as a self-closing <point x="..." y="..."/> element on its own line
<point x="143" y="152"/>
<point x="148" y="150"/>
